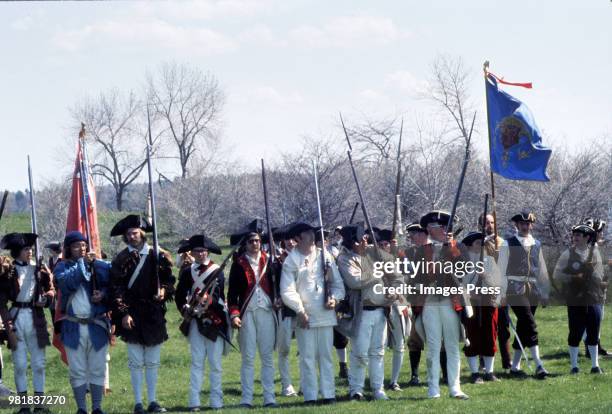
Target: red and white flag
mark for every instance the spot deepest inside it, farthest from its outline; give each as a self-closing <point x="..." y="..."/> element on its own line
<point x="82" y="213"/>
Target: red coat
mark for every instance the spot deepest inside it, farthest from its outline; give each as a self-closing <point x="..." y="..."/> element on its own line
<point x="242" y="282"/>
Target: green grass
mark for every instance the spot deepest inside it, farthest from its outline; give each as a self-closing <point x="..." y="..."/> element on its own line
<point x="561" y="393"/>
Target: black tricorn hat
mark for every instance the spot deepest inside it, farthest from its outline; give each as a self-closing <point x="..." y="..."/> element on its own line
<point x="597" y="224"/>
<point x="318" y="235"/>
<point x="133" y="221"/>
<point x="282" y="233"/>
<point x="584" y="229"/>
<point x="352" y="233"/>
<point x="435" y="217"/>
<point x="416" y="227"/>
<point x="14" y="241"/>
<point x="384" y="235"/>
<point x="199" y="240"/>
<point x="301" y="227"/>
<point x="525" y="216"/>
<point x="255" y="226"/>
<point x="56" y="246"/>
<point x="471" y="238"/>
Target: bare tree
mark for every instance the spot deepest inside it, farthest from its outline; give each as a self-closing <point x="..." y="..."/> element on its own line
<point x="117" y="152"/>
<point x="189" y="103"/>
<point x="52" y="209"/>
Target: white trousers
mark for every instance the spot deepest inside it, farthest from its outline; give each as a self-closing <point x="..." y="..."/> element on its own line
<point x="143" y="358"/>
<point x="399" y="330"/>
<point x="368" y="350"/>
<point x="257" y="333"/>
<point x="27" y="343"/>
<point x="315" y="346"/>
<point x="85" y="364"/>
<point x="441" y="323"/>
<point x="203" y="349"/>
<point x="283" y="346"/>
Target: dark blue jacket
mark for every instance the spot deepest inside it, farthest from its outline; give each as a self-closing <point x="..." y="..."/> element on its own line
<point x="70" y="275"/>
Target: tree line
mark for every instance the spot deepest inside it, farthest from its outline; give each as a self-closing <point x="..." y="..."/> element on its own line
<point x="213" y="193"/>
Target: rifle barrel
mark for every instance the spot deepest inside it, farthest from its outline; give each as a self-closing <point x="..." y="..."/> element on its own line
<point x="33" y="212"/>
<point x="153" y="211"/>
<point x="3" y="204"/>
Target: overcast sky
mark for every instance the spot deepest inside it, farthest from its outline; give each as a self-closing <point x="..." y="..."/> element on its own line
<point x="288" y="67"/>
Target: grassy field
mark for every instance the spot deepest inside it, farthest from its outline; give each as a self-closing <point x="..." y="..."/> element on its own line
<point x="561" y="393"/>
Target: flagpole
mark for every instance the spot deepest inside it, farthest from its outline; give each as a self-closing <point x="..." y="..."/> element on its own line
<point x="84" y="186"/>
<point x="485" y="68"/>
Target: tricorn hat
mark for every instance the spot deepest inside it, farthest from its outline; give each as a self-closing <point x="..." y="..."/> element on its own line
<point x="301" y="227"/>
<point x="435" y="217"/>
<point x="596" y="224"/>
<point x="384" y="235"/>
<point x="352" y="233"/>
<point x="416" y="226"/>
<point x="471" y="238"/>
<point x="255" y="226"/>
<point x="55" y="246"/>
<point x="524" y="216"/>
<point x="199" y="240"/>
<point x="133" y="221"/>
<point x="16" y="241"/>
<point x="584" y="229"/>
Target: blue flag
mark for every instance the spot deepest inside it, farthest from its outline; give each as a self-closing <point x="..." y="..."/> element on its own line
<point x="516" y="146"/>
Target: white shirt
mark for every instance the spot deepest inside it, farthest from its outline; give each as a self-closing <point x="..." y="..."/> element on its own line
<point x="303" y="290"/>
<point x="260" y="298"/>
<point x="504" y="253"/>
<point x="81" y="306"/>
<point x="26" y="281"/>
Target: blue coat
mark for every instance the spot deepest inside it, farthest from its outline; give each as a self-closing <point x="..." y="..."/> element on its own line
<point x="70" y="275"/>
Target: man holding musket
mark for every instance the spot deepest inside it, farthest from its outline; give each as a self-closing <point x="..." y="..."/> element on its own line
<point x="204" y="281"/>
<point x="399" y="321"/>
<point x="580" y="272"/>
<point x="369" y="306"/>
<point x="303" y="290"/>
<point x="30" y="289"/>
<point x="140" y="293"/>
<point x="439" y="322"/>
<point x="83" y="281"/>
<point x="250" y="297"/>
<point x="481" y="329"/>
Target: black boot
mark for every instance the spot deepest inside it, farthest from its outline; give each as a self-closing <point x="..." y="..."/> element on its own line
<point x="415" y="360"/>
<point x="343" y="373"/>
<point x="443" y="366"/>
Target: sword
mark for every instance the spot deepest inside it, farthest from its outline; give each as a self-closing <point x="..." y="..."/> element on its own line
<point x="513" y="329"/>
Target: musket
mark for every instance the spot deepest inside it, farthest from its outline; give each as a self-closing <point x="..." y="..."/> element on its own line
<point x="396" y="208"/>
<point x="353" y="213"/>
<point x="194" y="302"/>
<point x="449" y="227"/>
<point x="84" y="210"/>
<point x="325" y="264"/>
<point x="466" y="160"/>
<point x="482" y="247"/>
<point x="364" y="210"/>
<point x="3" y="204"/>
<point x="153" y="212"/>
<point x="38" y="258"/>
<point x="484" y="225"/>
<point x="272" y="247"/>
